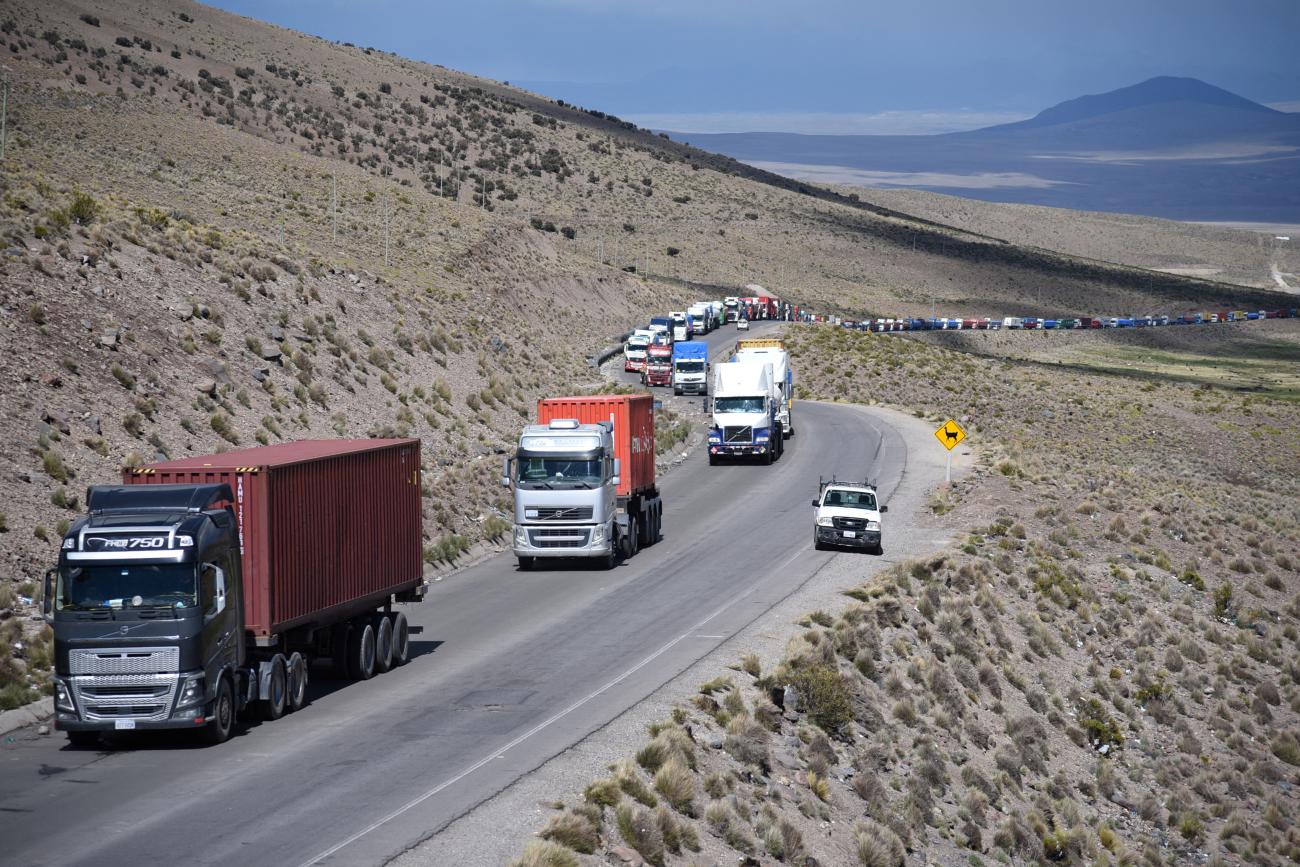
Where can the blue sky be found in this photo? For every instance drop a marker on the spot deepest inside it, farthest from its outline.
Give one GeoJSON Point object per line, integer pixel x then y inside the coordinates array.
{"type": "Point", "coordinates": [824, 65]}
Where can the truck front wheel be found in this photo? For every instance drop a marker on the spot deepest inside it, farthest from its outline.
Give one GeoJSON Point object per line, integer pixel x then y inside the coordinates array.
{"type": "Point", "coordinates": [525, 564]}
{"type": "Point", "coordinates": [222, 721]}
{"type": "Point", "coordinates": [361, 651]}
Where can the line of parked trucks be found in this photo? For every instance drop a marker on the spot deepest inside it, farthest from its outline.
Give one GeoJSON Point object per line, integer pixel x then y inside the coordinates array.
{"type": "Point", "coordinates": [203, 589]}
{"type": "Point", "coordinates": [1030, 323]}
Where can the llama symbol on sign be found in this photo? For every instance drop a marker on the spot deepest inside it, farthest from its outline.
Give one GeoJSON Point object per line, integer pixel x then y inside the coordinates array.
{"type": "Point", "coordinates": [950, 434]}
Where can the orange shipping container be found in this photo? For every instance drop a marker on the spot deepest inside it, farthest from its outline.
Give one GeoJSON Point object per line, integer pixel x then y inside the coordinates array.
{"type": "Point", "coordinates": [633, 416]}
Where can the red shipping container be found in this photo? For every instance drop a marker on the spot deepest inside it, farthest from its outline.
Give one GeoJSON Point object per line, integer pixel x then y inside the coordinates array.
{"type": "Point", "coordinates": [327, 528]}
{"type": "Point", "coordinates": [633, 416]}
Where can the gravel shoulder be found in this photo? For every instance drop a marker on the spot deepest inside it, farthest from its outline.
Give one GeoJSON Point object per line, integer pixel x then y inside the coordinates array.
{"type": "Point", "coordinates": [495, 831]}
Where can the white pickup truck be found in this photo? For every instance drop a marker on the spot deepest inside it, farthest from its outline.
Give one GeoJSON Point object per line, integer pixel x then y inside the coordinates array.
{"type": "Point", "coordinates": [847, 514]}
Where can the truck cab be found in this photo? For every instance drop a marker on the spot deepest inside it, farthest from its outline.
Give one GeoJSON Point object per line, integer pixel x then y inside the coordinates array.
{"type": "Point", "coordinates": [847, 514]}
{"type": "Point", "coordinates": [634, 352]}
{"type": "Point", "coordinates": [690, 368]}
{"type": "Point", "coordinates": [745, 406]}
{"type": "Point", "coordinates": [564, 476]}
{"type": "Point", "coordinates": [146, 606]}
{"type": "Point", "coordinates": [658, 368]}
{"type": "Point", "coordinates": [681, 326]}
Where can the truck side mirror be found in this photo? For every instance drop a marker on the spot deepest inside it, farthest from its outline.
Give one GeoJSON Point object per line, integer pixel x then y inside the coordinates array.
{"type": "Point", "coordinates": [618, 465]}
{"type": "Point", "coordinates": [505, 473]}
{"type": "Point", "coordinates": [814, 504]}
{"type": "Point", "coordinates": [47, 598]}
{"type": "Point", "coordinates": [884, 509]}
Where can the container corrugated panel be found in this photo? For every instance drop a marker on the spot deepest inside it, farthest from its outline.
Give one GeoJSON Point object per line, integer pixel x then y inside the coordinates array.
{"type": "Point", "coordinates": [634, 431]}
{"type": "Point", "coordinates": [325, 525]}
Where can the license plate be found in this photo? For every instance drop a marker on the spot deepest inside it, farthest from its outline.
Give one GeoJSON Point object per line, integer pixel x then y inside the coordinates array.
{"type": "Point", "coordinates": [848, 534]}
{"type": "Point", "coordinates": [124, 724]}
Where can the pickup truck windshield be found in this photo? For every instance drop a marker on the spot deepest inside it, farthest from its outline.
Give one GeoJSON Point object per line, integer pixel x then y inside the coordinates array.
{"type": "Point", "coordinates": [553, 472]}
{"type": "Point", "coordinates": [850, 500]}
{"type": "Point", "coordinates": [690, 366]}
{"type": "Point", "coordinates": [84, 588]}
{"type": "Point", "coordinates": [738, 404]}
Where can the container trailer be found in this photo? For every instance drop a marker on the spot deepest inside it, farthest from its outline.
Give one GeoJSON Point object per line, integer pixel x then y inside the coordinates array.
{"type": "Point", "coordinates": [202, 588]}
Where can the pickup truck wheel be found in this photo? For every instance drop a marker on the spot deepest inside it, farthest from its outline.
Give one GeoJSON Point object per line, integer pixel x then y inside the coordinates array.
{"type": "Point", "coordinates": [383, 643]}
{"type": "Point", "coordinates": [878, 549]}
{"type": "Point", "coordinates": [401, 639]}
{"type": "Point", "coordinates": [526, 564]}
{"type": "Point", "coordinates": [84, 740]}
{"type": "Point", "coordinates": [222, 721]}
{"type": "Point", "coordinates": [297, 668]}
{"type": "Point", "coordinates": [361, 651]}
{"type": "Point", "coordinates": [272, 707]}
{"type": "Point", "coordinates": [818, 544]}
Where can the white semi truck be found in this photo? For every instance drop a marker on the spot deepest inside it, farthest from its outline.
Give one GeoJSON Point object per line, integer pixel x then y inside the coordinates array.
{"type": "Point", "coordinates": [745, 406]}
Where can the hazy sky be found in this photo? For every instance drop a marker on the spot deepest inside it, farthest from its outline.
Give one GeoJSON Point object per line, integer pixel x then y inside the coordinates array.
{"type": "Point", "coordinates": [823, 65]}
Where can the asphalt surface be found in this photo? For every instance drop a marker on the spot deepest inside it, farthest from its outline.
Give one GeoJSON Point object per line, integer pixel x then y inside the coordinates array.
{"type": "Point", "coordinates": [511, 669]}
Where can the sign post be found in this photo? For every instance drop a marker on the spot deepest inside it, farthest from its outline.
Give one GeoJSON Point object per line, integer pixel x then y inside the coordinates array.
{"type": "Point", "coordinates": [949, 435]}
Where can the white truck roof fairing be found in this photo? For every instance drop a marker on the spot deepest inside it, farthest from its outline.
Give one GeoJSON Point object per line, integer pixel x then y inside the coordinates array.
{"type": "Point", "coordinates": [742, 379]}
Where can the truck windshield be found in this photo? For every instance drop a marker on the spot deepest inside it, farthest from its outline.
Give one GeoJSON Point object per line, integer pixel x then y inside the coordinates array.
{"type": "Point", "coordinates": [690, 366]}
{"type": "Point", "coordinates": [738, 404]}
{"type": "Point", "coordinates": [550, 472]}
{"type": "Point", "coordinates": [850, 500]}
{"type": "Point", "coordinates": [149, 585]}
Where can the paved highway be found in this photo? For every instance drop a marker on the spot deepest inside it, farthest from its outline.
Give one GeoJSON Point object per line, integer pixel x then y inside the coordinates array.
{"type": "Point", "coordinates": [511, 669]}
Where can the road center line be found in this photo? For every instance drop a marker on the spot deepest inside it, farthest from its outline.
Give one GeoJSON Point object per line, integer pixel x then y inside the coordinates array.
{"type": "Point", "coordinates": [498, 753]}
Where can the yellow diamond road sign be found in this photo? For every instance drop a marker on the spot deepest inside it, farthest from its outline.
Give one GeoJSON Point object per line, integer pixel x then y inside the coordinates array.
{"type": "Point", "coordinates": [950, 434]}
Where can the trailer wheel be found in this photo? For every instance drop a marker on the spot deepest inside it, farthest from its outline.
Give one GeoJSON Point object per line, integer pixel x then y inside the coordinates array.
{"type": "Point", "coordinates": [272, 707]}
{"type": "Point", "coordinates": [83, 740]}
{"type": "Point", "coordinates": [222, 722]}
{"type": "Point", "coordinates": [297, 668]}
{"type": "Point", "coordinates": [383, 643]}
{"type": "Point", "coordinates": [361, 651]}
{"type": "Point", "coordinates": [341, 635]}
{"type": "Point", "coordinates": [401, 639]}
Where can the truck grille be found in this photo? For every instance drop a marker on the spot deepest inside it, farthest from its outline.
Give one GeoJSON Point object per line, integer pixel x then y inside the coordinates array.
{"type": "Point", "coordinates": [128, 660]}
{"type": "Point", "coordinates": [570, 513]}
{"type": "Point", "coordinates": [124, 696]}
{"type": "Point", "coordinates": [559, 538]}
{"type": "Point", "coordinates": [849, 523]}
{"type": "Point", "coordinates": [741, 434]}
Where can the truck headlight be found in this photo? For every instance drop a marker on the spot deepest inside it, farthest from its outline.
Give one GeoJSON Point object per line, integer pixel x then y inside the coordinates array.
{"type": "Point", "coordinates": [184, 541]}
{"type": "Point", "coordinates": [192, 691]}
{"type": "Point", "coordinates": [762, 435]}
{"type": "Point", "coordinates": [63, 697]}
{"type": "Point", "coordinates": [521, 537]}
{"type": "Point", "coordinates": [825, 522]}
{"type": "Point", "coordinates": [598, 535]}
{"type": "Point", "coordinates": [873, 525]}
{"type": "Point", "coordinates": [715, 437]}
{"type": "Point", "coordinates": [70, 544]}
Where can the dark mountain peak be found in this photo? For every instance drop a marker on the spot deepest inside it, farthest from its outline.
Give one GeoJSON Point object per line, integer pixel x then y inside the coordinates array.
{"type": "Point", "coordinates": [1161, 90]}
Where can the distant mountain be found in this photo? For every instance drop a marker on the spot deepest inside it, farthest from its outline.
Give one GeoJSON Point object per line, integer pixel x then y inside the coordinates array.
{"type": "Point", "coordinates": [1163, 90]}
{"type": "Point", "coordinates": [1167, 147]}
